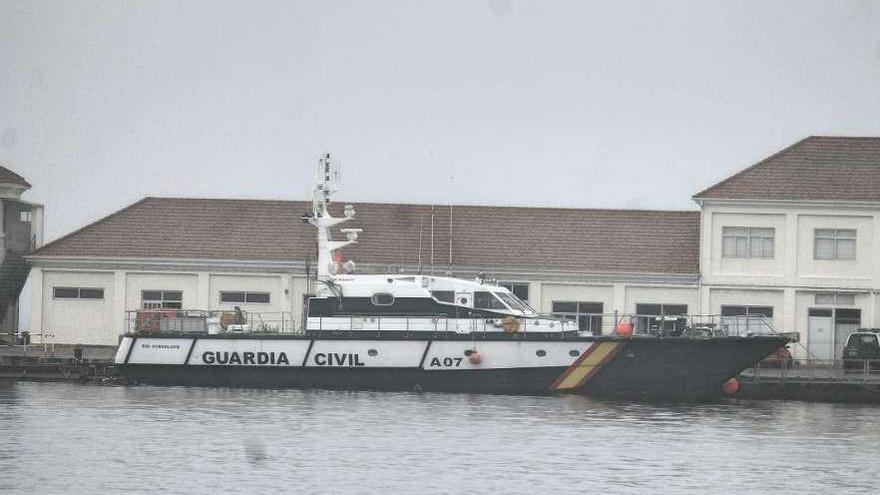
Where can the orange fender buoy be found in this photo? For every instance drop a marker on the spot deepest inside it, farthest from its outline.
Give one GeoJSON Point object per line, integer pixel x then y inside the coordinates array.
{"type": "Point", "coordinates": [731, 386]}
{"type": "Point", "coordinates": [475, 358]}
{"type": "Point", "coordinates": [625, 329]}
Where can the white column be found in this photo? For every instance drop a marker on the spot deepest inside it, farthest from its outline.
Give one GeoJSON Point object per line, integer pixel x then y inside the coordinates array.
{"type": "Point", "coordinates": [535, 289]}
{"type": "Point", "coordinates": [871, 320]}
{"type": "Point", "coordinates": [618, 298]}
{"type": "Point", "coordinates": [203, 294]}
{"type": "Point", "coordinates": [790, 250]}
{"type": "Point", "coordinates": [297, 290]}
{"type": "Point", "coordinates": [119, 308]}
{"type": "Point", "coordinates": [36, 283]}
{"type": "Point", "coordinates": [788, 322]}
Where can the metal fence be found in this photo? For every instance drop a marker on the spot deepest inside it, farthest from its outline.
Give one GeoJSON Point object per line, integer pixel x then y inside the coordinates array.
{"type": "Point", "coordinates": [815, 370]}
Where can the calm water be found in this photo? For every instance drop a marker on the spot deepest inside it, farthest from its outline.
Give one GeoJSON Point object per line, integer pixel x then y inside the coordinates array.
{"type": "Point", "coordinates": [59, 438]}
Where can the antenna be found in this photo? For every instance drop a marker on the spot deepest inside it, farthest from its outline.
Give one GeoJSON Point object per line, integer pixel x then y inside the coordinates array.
{"type": "Point", "coordinates": [421, 221]}
{"type": "Point", "coordinates": [450, 238]}
{"type": "Point", "coordinates": [432, 239]}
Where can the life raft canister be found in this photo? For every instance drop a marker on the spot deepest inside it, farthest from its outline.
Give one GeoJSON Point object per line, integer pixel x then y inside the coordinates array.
{"type": "Point", "coordinates": [510, 324]}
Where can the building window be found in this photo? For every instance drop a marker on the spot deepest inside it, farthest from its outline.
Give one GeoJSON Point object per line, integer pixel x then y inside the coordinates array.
{"type": "Point", "coordinates": [519, 289]}
{"type": "Point", "coordinates": [77, 293]}
{"type": "Point", "coordinates": [748, 242]}
{"type": "Point", "coordinates": [244, 297]}
{"type": "Point", "coordinates": [588, 315]}
{"type": "Point", "coordinates": [739, 320]}
{"type": "Point", "coordinates": [835, 299]}
{"type": "Point", "coordinates": [661, 318]}
{"type": "Point", "coordinates": [162, 299]}
{"type": "Point", "coordinates": [834, 244]}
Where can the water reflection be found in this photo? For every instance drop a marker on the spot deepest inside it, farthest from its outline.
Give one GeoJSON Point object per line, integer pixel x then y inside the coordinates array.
{"type": "Point", "coordinates": [194, 440]}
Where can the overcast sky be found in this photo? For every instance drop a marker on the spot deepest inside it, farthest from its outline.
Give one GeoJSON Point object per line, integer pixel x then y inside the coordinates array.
{"type": "Point", "coordinates": [586, 104]}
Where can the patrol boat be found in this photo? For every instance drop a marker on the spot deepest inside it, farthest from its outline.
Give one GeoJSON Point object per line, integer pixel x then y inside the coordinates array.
{"type": "Point", "coordinates": [431, 333]}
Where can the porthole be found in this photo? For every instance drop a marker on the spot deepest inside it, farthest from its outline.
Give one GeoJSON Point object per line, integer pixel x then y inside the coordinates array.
{"type": "Point", "coordinates": [462, 300]}
{"type": "Point", "coordinates": [540, 353]}
{"type": "Point", "coordinates": [574, 353]}
{"type": "Point", "coordinates": [372, 353]}
{"type": "Point", "coordinates": [382, 299]}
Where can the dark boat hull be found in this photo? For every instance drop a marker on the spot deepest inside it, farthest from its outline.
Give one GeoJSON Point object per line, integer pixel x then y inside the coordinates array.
{"type": "Point", "coordinates": [637, 368]}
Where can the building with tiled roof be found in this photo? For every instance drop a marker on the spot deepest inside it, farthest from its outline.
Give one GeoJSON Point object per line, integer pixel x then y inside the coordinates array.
{"type": "Point", "coordinates": [818, 168]}
{"type": "Point", "coordinates": [499, 239]}
{"type": "Point", "coordinates": [791, 239]}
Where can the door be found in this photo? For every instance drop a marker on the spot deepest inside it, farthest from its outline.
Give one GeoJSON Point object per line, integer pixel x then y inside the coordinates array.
{"type": "Point", "coordinates": [846, 321]}
{"type": "Point", "coordinates": [820, 334]}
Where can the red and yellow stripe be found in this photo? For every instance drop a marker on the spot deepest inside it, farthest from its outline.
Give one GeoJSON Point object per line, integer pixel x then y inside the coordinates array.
{"type": "Point", "coordinates": [586, 366]}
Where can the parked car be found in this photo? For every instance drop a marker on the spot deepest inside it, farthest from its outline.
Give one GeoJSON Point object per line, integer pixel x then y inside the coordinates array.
{"type": "Point", "coordinates": [862, 350]}
{"type": "Point", "coordinates": [780, 358]}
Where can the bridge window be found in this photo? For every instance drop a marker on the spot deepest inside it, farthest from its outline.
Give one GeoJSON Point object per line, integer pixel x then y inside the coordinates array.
{"type": "Point", "coordinates": [77, 293]}
{"type": "Point", "coordinates": [486, 300]}
{"type": "Point", "coordinates": [446, 296]}
{"type": "Point", "coordinates": [383, 299]}
{"type": "Point", "coordinates": [162, 299]}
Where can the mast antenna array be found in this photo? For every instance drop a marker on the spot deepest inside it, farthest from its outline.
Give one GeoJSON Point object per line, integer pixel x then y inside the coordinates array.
{"type": "Point", "coordinates": [326, 184]}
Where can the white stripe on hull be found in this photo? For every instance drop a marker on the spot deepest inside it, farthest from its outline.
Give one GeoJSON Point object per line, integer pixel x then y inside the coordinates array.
{"type": "Point", "coordinates": [442, 355]}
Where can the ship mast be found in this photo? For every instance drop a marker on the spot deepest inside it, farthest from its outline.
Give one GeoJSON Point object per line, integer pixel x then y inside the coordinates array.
{"type": "Point", "coordinates": [326, 184]}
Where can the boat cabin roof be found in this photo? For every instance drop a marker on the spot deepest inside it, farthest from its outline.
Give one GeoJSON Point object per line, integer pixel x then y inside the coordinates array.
{"type": "Point", "coordinates": [445, 290]}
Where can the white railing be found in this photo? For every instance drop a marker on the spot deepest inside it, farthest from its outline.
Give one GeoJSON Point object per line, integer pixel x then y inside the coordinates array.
{"type": "Point", "coordinates": [436, 323]}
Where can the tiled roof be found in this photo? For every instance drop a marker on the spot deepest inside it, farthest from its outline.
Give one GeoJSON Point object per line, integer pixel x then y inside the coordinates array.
{"type": "Point", "coordinates": [817, 168]}
{"type": "Point", "coordinates": [9, 177]}
{"type": "Point", "coordinates": [533, 239]}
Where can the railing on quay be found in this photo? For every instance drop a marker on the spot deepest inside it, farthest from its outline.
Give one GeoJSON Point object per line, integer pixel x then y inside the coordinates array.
{"type": "Point", "coordinates": [815, 370]}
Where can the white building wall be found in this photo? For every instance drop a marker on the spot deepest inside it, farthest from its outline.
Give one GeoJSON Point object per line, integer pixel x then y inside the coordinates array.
{"type": "Point", "coordinates": [78, 320]}
{"type": "Point", "coordinates": [789, 282]}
